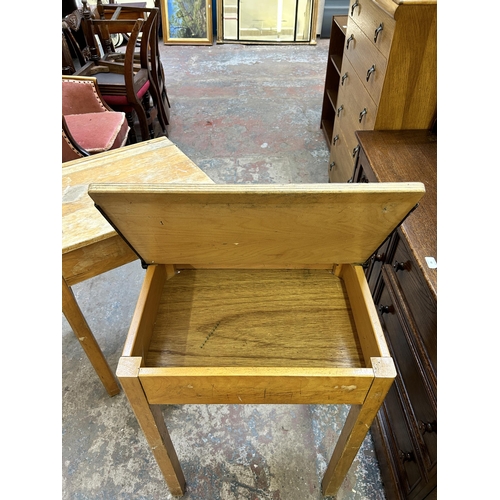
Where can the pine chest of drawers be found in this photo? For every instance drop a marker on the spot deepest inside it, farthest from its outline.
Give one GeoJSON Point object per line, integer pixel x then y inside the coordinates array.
{"type": "Point", "coordinates": [387, 75]}
{"type": "Point", "coordinates": [402, 277]}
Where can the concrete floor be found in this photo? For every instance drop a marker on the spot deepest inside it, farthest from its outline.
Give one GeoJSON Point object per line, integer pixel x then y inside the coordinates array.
{"type": "Point", "coordinates": [242, 114]}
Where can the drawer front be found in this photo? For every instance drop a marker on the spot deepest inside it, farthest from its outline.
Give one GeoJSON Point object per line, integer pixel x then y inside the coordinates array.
{"type": "Point", "coordinates": [400, 442]}
{"type": "Point", "coordinates": [422, 409]}
{"type": "Point", "coordinates": [378, 26]}
{"type": "Point", "coordinates": [368, 62]}
{"type": "Point", "coordinates": [420, 302]}
{"type": "Point", "coordinates": [356, 106]}
{"type": "Point", "coordinates": [341, 157]}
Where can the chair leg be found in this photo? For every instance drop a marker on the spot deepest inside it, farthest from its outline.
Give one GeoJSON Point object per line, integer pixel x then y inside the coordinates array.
{"type": "Point", "coordinates": [147, 108]}
{"type": "Point", "coordinates": [143, 121]}
{"type": "Point", "coordinates": [130, 120]}
{"type": "Point", "coordinates": [162, 118]}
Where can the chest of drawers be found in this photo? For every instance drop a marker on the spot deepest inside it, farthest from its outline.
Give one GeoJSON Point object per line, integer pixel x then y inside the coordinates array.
{"type": "Point", "coordinates": [387, 75]}
{"type": "Point", "coordinates": [402, 278]}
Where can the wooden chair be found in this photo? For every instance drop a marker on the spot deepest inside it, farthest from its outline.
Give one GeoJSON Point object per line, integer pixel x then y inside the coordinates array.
{"type": "Point", "coordinates": [255, 294]}
{"type": "Point", "coordinates": [78, 52]}
{"type": "Point", "coordinates": [123, 86]}
{"type": "Point", "coordinates": [150, 52]}
{"type": "Point", "coordinates": [89, 125]}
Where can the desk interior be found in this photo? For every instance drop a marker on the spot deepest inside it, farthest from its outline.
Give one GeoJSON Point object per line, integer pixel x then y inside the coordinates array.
{"type": "Point", "coordinates": [254, 318]}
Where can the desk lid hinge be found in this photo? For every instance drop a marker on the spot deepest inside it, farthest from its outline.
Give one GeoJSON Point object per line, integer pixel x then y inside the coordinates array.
{"type": "Point", "coordinates": [144, 264]}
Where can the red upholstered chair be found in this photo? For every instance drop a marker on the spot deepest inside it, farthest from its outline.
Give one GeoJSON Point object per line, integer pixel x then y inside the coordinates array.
{"type": "Point", "coordinates": [89, 125]}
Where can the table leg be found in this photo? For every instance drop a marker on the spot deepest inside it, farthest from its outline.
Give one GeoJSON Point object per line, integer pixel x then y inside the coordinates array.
{"type": "Point", "coordinates": [357, 424]}
{"type": "Point", "coordinates": [82, 331]}
{"type": "Point", "coordinates": [152, 424]}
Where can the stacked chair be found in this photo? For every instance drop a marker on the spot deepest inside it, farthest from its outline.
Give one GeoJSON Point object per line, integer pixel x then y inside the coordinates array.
{"type": "Point", "coordinates": [117, 12]}
{"type": "Point", "coordinates": [126, 83]}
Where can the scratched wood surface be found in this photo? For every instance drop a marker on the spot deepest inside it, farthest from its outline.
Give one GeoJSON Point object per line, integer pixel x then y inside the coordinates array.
{"type": "Point", "coordinates": [258, 318]}
{"type": "Point", "coordinates": [158, 160]}
{"type": "Point", "coordinates": [256, 225]}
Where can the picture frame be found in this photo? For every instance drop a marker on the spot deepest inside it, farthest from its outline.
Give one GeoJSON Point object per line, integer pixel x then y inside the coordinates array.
{"type": "Point", "coordinates": [185, 23]}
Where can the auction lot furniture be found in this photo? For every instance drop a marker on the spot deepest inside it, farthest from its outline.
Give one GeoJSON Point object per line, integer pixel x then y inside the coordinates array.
{"type": "Point", "coordinates": [90, 246]}
{"type": "Point", "coordinates": [254, 294]}
{"type": "Point", "coordinates": [402, 276]}
{"type": "Point", "coordinates": [381, 75]}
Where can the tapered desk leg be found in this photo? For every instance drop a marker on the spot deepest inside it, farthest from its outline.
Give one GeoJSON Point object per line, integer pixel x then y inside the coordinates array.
{"type": "Point", "coordinates": [83, 333]}
{"type": "Point", "coordinates": [152, 424]}
{"type": "Point", "coordinates": [357, 424]}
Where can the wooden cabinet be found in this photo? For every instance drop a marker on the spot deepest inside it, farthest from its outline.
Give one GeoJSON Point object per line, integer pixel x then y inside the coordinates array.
{"type": "Point", "coordinates": [388, 76]}
{"type": "Point", "coordinates": [402, 276]}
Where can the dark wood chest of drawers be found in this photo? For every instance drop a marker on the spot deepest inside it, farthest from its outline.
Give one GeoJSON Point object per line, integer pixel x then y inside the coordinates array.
{"type": "Point", "coordinates": [402, 276]}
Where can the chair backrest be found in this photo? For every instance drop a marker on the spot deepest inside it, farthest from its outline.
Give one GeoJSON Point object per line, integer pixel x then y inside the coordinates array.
{"type": "Point", "coordinates": [149, 32]}
{"type": "Point", "coordinates": [75, 38]}
{"type": "Point", "coordinates": [80, 94]}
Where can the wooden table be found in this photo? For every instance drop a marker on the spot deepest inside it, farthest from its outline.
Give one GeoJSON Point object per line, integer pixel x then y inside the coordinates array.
{"type": "Point", "coordinates": [90, 246]}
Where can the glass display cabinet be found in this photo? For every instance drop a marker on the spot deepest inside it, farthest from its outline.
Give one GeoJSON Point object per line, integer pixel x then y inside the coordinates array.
{"type": "Point", "coordinates": [267, 21]}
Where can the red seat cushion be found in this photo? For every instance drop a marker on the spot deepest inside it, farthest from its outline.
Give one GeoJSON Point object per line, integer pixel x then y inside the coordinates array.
{"type": "Point", "coordinates": [98, 132]}
{"type": "Point", "coordinates": [121, 100]}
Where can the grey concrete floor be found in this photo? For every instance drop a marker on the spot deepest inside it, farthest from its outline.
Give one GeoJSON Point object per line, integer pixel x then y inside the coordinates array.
{"type": "Point", "coordinates": [242, 114]}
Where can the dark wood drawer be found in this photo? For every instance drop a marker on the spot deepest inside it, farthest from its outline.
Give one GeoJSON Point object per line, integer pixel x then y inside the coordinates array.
{"type": "Point", "coordinates": [421, 303]}
{"type": "Point", "coordinates": [400, 442]}
{"type": "Point", "coordinates": [418, 393]}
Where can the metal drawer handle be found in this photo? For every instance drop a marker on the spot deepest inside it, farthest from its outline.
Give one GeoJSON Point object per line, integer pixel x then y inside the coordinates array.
{"type": "Point", "coordinates": [349, 40]}
{"type": "Point", "coordinates": [335, 139]}
{"type": "Point", "coordinates": [369, 72]}
{"type": "Point", "coordinates": [344, 76]}
{"type": "Point", "coordinates": [399, 266]}
{"type": "Point", "coordinates": [355, 151]}
{"type": "Point", "coordinates": [427, 427]}
{"type": "Point", "coordinates": [377, 31]}
{"type": "Point", "coordinates": [363, 113]}
{"type": "Point", "coordinates": [354, 5]}
{"type": "Point", "coordinates": [340, 109]}
{"type": "Point", "coordinates": [406, 456]}
{"type": "Point", "coordinates": [332, 165]}
{"type": "Point", "coordinates": [378, 257]}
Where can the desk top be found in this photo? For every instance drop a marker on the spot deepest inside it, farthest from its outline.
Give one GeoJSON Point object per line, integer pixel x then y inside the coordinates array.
{"type": "Point", "coordinates": [154, 161]}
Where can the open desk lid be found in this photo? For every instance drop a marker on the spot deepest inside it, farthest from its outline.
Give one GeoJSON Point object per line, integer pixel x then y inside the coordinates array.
{"type": "Point", "coordinates": [255, 225]}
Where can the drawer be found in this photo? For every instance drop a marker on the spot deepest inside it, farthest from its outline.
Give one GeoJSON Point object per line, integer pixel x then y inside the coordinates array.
{"type": "Point", "coordinates": [368, 62]}
{"type": "Point", "coordinates": [403, 449]}
{"type": "Point", "coordinates": [421, 401]}
{"type": "Point", "coordinates": [377, 260]}
{"type": "Point", "coordinates": [342, 158]}
{"type": "Point", "coordinates": [420, 302]}
{"type": "Point", "coordinates": [378, 26]}
{"type": "Point", "coordinates": [356, 110]}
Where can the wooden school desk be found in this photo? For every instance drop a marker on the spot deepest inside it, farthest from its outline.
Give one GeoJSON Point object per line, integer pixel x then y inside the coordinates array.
{"type": "Point", "coordinates": [90, 246]}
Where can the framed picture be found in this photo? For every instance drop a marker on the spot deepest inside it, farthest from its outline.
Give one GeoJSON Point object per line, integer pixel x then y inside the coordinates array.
{"type": "Point", "coordinates": [187, 22]}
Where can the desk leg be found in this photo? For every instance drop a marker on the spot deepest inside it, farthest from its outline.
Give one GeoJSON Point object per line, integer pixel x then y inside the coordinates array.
{"type": "Point", "coordinates": [357, 424]}
{"type": "Point", "coordinates": [82, 331]}
{"type": "Point", "coordinates": [152, 424]}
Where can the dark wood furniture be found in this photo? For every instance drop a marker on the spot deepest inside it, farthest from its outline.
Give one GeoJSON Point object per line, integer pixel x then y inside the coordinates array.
{"type": "Point", "coordinates": [402, 277]}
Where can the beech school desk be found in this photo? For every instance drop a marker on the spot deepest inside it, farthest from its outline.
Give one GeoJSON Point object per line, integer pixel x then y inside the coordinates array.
{"type": "Point", "coordinates": [90, 246]}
